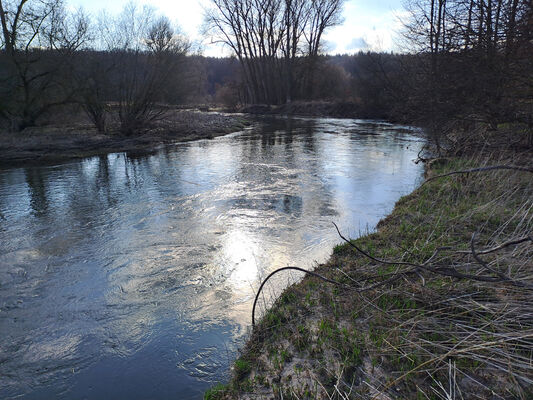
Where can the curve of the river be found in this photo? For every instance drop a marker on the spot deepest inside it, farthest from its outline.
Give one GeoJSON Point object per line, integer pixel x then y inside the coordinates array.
{"type": "Point", "coordinates": [132, 276]}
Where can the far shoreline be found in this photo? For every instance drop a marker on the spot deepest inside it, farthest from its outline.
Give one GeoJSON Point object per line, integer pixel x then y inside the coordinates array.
{"type": "Point", "coordinates": [58, 142]}
{"type": "Point", "coordinates": [65, 141]}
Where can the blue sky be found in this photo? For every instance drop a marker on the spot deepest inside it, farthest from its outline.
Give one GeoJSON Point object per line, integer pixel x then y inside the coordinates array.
{"type": "Point", "coordinates": [367, 24]}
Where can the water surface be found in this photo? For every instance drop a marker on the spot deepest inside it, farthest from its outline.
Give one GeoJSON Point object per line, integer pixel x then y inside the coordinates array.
{"type": "Point", "coordinates": [132, 276]}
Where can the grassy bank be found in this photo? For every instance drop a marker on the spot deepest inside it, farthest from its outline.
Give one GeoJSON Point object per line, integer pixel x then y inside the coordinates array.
{"type": "Point", "coordinates": [440, 309]}
{"type": "Point", "coordinates": [73, 136]}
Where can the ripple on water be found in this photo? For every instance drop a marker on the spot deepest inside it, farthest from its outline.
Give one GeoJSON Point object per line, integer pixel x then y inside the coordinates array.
{"type": "Point", "coordinates": [131, 276]}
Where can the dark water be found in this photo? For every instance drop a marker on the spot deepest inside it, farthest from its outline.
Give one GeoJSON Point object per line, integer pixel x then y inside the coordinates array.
{"type": "Point", "coordinates": [132, 276]}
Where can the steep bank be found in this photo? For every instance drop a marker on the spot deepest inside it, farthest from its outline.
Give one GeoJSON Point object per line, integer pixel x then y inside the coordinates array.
{"type": "Point", "coordinates": [74, 137]}
{"type": "Point", "coordinates": [440, 309]}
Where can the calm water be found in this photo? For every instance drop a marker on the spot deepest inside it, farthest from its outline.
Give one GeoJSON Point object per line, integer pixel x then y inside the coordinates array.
{"type": "Point", "coordinates": [132, 276]}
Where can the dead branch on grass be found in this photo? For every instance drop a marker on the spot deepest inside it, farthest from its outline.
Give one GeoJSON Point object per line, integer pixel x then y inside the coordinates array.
{"type": "Point", "coordinates": [415, 269]}
{"type": "Point", "coordinates": [480, 321]}
{"type": "Point", "coordinates": [442, 270]}
{"type": "Point", "coordinates": [285, 269]}
{"type": "Point", "coordinates": [480, 169]}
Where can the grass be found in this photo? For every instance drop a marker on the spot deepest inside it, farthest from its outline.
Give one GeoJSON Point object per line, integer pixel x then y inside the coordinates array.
{"type": "Point", "coordinates": [424, 335]}
{"type": "Point", "coordinates": [216, 392]}
{"type": "Point", "coordinates": [242, 368]}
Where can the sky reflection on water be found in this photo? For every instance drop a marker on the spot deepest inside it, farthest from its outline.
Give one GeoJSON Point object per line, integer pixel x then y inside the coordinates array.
{"type": "Point", "coordinates": [133, 275]}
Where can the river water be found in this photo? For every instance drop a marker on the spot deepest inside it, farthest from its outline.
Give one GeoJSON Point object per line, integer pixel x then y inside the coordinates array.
{"type": "Point", "coordinates": [133, 275]}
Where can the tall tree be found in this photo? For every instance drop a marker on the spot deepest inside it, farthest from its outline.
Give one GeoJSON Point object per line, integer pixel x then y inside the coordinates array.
{"type": "Point", "coordinates": [39, 39]}
{"type": "Point", "coordinates": [473, 57]}
{"type": "Point", "coordinates": [268, 37]}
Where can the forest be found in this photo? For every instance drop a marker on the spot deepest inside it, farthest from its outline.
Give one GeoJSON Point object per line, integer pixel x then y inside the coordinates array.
{"type": "Point", "coordinates": [464, 63]}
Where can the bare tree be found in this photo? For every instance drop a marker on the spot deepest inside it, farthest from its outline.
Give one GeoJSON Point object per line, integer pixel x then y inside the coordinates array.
{"type": "Point", "coordinates": [473, 59]}
{"type": "Point", "coordinates": [323, 14]}
{"type": "Point", "coordinates": [142, 52]}
{"type": "Point", "coordinates": [94, 81]}
{"type": "Point", "coordinates": [39, 39]}
{"type": "Point", "coordinates": [267, 36]}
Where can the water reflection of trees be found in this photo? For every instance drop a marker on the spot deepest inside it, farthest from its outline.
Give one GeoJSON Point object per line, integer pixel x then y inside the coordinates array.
{"type": "Point", "coordinates": [188, 232]}
{"type": "Point", "coordinates": [36, 181]}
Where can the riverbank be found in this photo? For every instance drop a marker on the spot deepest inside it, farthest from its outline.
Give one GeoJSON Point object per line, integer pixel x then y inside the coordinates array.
{"type": "Point", "coordinates": [324, 109]}
{"type": "Point", "coordinates": [77, 138]}
{"type": "Point", "coordinates": [438, 307]}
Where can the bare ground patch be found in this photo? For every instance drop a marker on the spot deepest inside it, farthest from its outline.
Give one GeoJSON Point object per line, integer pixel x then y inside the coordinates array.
{"type": "Point", "coordinates": [74, 137]}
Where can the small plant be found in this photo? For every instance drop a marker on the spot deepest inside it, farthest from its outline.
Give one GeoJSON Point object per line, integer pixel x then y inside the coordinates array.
{"type": "Point", "coordinates": [285, 356]}
{"type": "Point", "coordinates": [242, 368]}
{"type": "Point", "coordinates": [325, 329]}
{"type": "Point", "coordinates": [216, 392]}
{"type": "Point", "coordinates": [261, 380]}
{"type": "Point", "coordinates": [301, 338]}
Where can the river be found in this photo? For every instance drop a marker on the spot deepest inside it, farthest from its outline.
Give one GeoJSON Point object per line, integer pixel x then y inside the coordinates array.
{"type": "Point", "coordinates": [133, 275]}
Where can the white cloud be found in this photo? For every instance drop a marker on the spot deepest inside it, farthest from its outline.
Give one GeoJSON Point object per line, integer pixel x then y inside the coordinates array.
{"type": "Point", "coordinates": [373, 22]}
{"type": "Point", "coordinates": [358, 43]}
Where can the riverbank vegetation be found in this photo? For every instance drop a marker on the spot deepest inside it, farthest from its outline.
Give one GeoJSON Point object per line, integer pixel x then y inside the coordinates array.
{"type": "Point", "coordinates": [435, 304]}
{"type": "Point", "coordinates": [438, 308]}
{"type": "Point", "coordinates": [77, 138]}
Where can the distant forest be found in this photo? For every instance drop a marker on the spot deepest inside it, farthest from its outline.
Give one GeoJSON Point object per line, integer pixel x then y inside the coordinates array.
{"type": "Point", "coordinates": [465, 62]}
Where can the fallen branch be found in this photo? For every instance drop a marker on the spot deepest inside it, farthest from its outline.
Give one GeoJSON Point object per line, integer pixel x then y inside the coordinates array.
{"type": "Point", "coordinates": [482, 262]}
{"type": "Point", "coordinates": [372, 257]}
{"type": "Point", "coordinates": [284, 269]}
{"type": "Point", "coordinates": [501, 246]}
{"type": "Point", "coordinates": [480, 169]}
{"type": "Point", "coordinates": [415, 269]}
{"type": "Point", "coordinates": [442, 270]}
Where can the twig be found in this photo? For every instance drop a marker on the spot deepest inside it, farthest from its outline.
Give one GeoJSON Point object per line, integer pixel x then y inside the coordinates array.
{"type": "Point", "coordinates": [372, 257]}
{"type": "Point", "coordinates": [446, 271]}
{"type": "Point", "coordinates": [485, 265]}
{"type": "Point", "coordinates": [480, 169]}
{"type": "Point", "coordinates": [482, 262]}
{"type": "Point", "coordinates": [501, 246]}
{"type": "Point", "coordinates": [284, 269]}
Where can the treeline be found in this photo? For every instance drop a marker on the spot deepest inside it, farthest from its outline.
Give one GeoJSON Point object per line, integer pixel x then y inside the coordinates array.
{"type": "Point", "coordinates": [277, 43]}
{"type": "Point", "coordinates": [121, 68]}
{"type": "Point", "coordinates": [113, 67]}
{"type": "Point", "coordinates": [474, 63]}
{"type": "Point", "coordinates": [465, 63]}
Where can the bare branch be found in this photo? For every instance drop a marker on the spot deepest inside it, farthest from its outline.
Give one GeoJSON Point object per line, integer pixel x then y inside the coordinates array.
{"type": "Point", "coordinates": [481, 169]}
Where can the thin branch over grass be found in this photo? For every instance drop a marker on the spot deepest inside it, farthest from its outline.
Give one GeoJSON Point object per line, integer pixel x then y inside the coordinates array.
{"type": "Point", "coordinates": [480, 169]}
{"type": "Point", "coordinates": [420, 312]}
